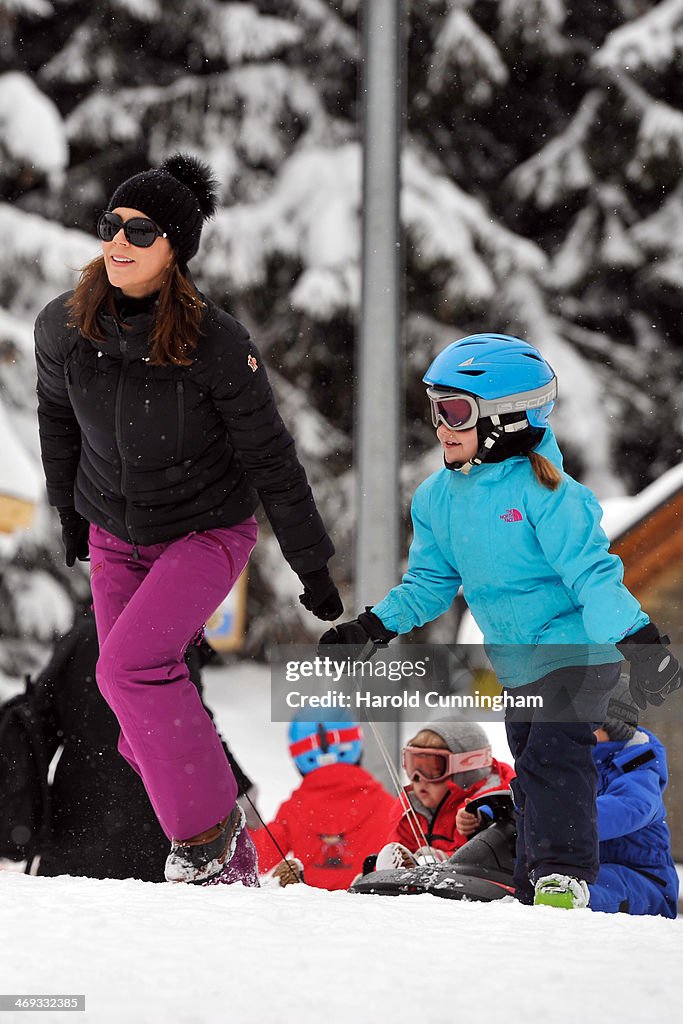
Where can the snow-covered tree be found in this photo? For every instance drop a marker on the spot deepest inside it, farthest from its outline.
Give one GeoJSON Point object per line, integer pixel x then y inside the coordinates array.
{"type": "Point", "coordinates": [541, 166]}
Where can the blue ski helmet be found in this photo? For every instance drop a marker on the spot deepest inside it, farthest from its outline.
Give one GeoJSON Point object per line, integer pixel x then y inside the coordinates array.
{"type": "Point", "coordinates": [317, 744]}
{"type": "Point", "coordinates": [505, 375]}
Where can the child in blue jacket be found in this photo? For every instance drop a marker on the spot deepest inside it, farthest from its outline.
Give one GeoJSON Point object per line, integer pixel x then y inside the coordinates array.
{"type": "Point", "coordinates": [523, 539]}
{"type": "Point", "coordinates": [637, 874]}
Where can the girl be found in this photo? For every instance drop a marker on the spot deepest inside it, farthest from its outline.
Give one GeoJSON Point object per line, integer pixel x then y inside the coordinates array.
{"type": "Point", "coordinates": [159, 435]}
{"type": "Point", "coordinates": [523, 539]}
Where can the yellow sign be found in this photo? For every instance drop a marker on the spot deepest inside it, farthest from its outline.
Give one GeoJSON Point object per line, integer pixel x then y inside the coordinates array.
{"type": "Point", "coordinates": [15, 513]}
{"type": "Point", "coordinates": [225, 628]}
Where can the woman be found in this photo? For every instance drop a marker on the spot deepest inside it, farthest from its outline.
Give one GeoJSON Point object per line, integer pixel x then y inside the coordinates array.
{"type": "Point", "coordinates": [524, 541]}
{"type": "Point", "coordinates": [159, 435]}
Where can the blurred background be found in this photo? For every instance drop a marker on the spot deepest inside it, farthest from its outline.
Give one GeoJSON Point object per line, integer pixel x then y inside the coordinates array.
{"type": "Point", "coordinates": [542, 148]}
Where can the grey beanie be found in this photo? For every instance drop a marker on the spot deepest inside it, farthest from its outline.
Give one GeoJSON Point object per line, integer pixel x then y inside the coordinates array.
{"type": "Point", "coordinates": [178, 196]}
{"type": "Point", "coordinates": [621, 719]}
{"type": "Point", "coordinates": [460, 737]}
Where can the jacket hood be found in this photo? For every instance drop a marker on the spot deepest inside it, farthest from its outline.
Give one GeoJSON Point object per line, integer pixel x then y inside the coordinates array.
{"type": "Point", "coordinates": [490, 472]}
{"type": "Point", "coordinates": [622, 753]}
{"type": "Point", "coordinates": [550, 448]}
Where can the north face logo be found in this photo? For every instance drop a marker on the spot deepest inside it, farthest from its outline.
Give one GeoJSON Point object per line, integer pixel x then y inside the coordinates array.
{"type": "Point", "coordinates": [513, 515]}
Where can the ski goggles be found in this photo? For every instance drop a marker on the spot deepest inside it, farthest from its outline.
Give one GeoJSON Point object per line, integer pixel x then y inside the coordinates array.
{"type": "Point", "coordinates": [456, 411]}
{"type": "Point", "coordinates": [460, 411]}
{"type": "Point", "coordinates": [342, 737]}
{"type": "Point", "coordinates": [431, 764]}
{"type": "Point", "coordinates": [139, 231]}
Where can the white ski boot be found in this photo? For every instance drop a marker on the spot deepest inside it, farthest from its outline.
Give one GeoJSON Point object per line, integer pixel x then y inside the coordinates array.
{"type": "Point", "coordinates": [393, 856]}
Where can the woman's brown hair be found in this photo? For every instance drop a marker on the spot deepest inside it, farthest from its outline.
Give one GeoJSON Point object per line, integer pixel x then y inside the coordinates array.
{"type": "Point", "coordinates": [545, 472]}
{"type": "Point", "coordinates": [177, 319]}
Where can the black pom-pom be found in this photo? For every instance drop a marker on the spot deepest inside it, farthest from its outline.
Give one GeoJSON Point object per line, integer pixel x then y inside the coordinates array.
{"type": "Point", "coordinates": [198, 177]}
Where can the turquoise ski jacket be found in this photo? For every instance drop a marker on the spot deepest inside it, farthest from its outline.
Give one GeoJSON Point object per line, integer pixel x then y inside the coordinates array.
{"type": "Point", "coordinates": [534, 566]}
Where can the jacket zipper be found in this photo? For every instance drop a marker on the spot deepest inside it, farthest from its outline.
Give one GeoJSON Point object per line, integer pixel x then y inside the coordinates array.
{"type": "Point", "coordinates": [430, 834]}
{"type": "Point", "coordinates": [119, 439]}
{"type": "Point", "coordinates": [179, 390]}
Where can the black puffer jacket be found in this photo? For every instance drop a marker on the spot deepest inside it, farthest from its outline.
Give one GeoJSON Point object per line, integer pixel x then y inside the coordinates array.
{"type": "Point", "coordinates": [151, 453]}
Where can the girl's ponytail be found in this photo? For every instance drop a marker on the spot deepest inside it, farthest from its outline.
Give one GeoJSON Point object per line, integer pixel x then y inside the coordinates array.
{"type": "Point", "coordinates": [547, 474]}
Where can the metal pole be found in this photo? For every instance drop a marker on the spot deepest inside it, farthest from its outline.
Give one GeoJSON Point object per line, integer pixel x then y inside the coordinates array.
{"type": "Point", "coordinates": [377, 429]}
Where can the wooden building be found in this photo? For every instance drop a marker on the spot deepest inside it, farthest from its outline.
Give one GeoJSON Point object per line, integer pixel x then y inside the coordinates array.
{"type": "Point", "coordinates": [647, 534]}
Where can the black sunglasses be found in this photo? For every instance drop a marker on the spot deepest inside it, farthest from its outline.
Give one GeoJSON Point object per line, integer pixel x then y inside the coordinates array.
{"type": "Point", "coordinates": [138, 230]}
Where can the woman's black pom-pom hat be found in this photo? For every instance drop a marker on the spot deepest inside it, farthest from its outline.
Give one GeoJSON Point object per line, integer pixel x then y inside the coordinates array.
{"type": "Point", "coordinates": [178, 196]}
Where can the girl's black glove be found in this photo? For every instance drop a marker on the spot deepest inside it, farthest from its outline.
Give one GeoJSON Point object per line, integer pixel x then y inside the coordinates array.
{"type": "Point", "coordinates": [74, 535]}
{"type": "Point", "coordinates": [655, 673]}
{"type": "Point", "coordinates": [320, 595]}
{"type": "Point", "coordinates": [366, 627]}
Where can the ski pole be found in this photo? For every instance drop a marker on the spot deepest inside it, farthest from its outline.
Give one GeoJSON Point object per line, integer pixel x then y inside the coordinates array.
{"type": "Point", "coordinates": [367, 652]}
{"type": "Point", "coordinates": [272, 837]}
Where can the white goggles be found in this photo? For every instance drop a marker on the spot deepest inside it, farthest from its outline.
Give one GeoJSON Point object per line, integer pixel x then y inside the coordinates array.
{"type": "Point", "coordinates": [460, 411]}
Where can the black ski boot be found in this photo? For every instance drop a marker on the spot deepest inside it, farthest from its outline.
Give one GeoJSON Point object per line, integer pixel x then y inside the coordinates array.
{"type": "Point", "coordinates": [203, 857]}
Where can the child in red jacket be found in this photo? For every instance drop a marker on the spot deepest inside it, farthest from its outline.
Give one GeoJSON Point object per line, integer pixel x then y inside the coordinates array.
{"type": "Point", "coordinates": [448, 764]}
{"type": "Point", "coordinates": [335, 818]}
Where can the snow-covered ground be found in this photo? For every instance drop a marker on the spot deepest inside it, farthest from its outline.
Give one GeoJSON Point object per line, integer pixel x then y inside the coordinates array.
{"type": "Point", "coordinates": [157, 954]}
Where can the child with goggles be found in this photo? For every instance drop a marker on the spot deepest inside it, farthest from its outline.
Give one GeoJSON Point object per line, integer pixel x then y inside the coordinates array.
{"type": "Point", "coordinates": [523, 539]}
{"type": "Point", "coordinates": [447, 765]}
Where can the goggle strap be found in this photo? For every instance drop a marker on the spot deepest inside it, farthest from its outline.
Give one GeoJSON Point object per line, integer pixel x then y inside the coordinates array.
{"type": "Point", "coordinates": [312, 742]}
{"type": "Point", "coordinates": [523, 401]}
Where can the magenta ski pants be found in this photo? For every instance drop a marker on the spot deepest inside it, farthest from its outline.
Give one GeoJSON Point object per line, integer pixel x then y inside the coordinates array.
{"type": "Point", "coordinates": [147, 611]}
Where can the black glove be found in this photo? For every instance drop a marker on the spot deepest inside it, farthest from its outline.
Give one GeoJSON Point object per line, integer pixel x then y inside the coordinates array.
{"type": "Point", "coordinates": [74, 535]}
{"type": "Point", "coordinates": [366, 627]}
{"type": "Point", "coordinates": [655, 673]}
{"type": "Point", "coordinates": [320, 595]}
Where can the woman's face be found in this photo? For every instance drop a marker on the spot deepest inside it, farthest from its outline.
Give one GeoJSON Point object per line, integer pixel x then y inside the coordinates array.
{"type": "Point", "coordinates": [136, 271]}
{"type": "Point", "coordinates": [458, 445]}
